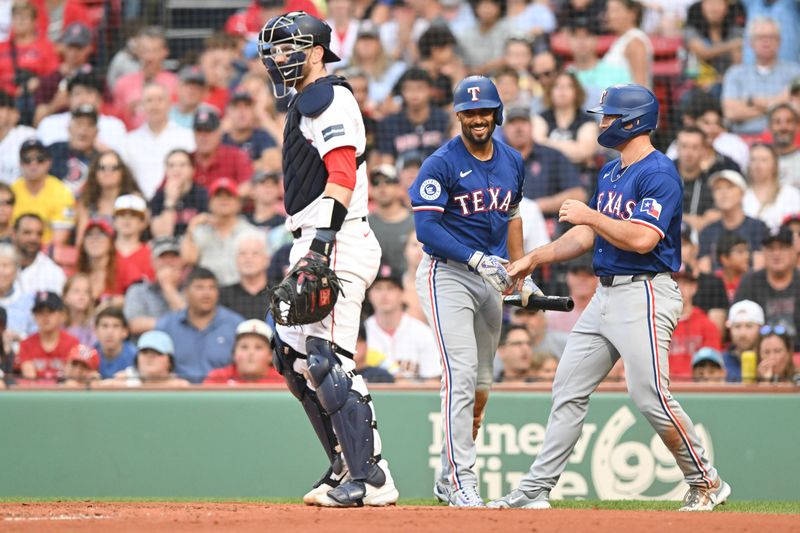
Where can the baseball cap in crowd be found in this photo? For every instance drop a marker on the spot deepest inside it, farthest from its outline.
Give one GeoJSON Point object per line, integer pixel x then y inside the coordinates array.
{"type": "Point", "coordinates": [47, 300]}
{"type": "Point", "coordinates": [707, 354]}
{"type": "Point", "coordinates": [192, 74]}
{"type": "Point", "coordinates": [685, 272]}
{"type": "Point", "coordinates": [85, 110]}
{"type": "Point", "coordinates": [729, 175]}
{"type": "Point", "coordinates": [86, 355]}
{"type": "Point", "coordinates": [130, 202]}
{"type": "Point", "coordinates": [746, 311]}
{"type": "Point", "coordinates": [31, 145]}
{"type": "Point", "coordinates": [254, 327]}
{"type": "Point", "coordinates": [387, 273]}
{"type": "Point", "coordinates": [165, 245]}
{"type": "Point", "coordinates": [262, 176]}
{"type": "Point", "coordinates": [367, 28]}
{"type": "Point", "coordinates": [206, 118]}
{"type": "Point", "coordinates": [76, 34]}
{"type": "Point", "coordinates": [793, 218]}
{"type": "Point", "coordinates": [250, 50]}
{"type": "Point", "coordinates": [385, 171]}
{"type": "Point", "coordinates": [782, 235]}
{"type": "Point", "coordinates": [518, 112]}
{"type": "Point", "coordinates": [104, 226]}
{"type": "Point", "coordinates": [241, 96]}
{"type": "Point", "coordinates": [223, 184]}
{"type": "Point", "coordinates": [156, 340]}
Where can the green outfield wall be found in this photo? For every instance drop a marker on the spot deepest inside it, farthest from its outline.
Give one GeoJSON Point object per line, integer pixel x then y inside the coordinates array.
{"type": "Point", "coordinates": [223, 444]}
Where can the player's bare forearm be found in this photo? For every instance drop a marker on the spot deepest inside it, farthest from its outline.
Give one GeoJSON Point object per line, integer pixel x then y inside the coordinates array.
{"type": "Point", "coordinates": [572, 244]}
{"type": "Point", "coordinates": [339, 192]}
{"type": "Point", "coordinates": [515, 248]}
{"type": "Point", "coordinates": [624, 234]}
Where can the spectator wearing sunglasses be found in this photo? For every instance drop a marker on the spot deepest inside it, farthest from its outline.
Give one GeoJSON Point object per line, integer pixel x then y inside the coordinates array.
{"type": "Point", "coordinates": [42, 194]}
{"type": "Point", "coordinates": [544, 68]}
{"type": "Point", "coordinates": [775, 354]}
{"type": "Point", "coordinates": [777, 287]}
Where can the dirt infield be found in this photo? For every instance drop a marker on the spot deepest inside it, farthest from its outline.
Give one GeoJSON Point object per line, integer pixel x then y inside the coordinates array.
{"type": "Point", "coordinates": [255, 517]}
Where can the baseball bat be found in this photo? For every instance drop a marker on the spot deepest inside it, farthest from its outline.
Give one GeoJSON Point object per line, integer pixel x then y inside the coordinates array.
{"type": "Point", "coordinates": [546, 303]}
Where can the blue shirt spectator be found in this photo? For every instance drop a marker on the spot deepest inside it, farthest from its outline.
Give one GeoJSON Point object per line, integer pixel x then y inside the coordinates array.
{"type": "Point", "coordinates": [204, 332]}
{"type": "Point", "coordinates": [109, 367]}
{"type": "Point", "coordinates": [787, 14]}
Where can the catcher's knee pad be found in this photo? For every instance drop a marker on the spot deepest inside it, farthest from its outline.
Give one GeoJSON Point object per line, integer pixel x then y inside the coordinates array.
{"type": "Point", "coordinates": [283, 358]}
{"type": "Point", "coordinates": [350, 411]}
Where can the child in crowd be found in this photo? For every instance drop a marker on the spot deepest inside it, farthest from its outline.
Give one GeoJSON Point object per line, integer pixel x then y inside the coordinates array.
{"type": "Point", "coordinates": [79, 307]}
{"type": "Point", "coordinates": [733, 254]}
{"type": "Point", "coordinates": [115, 352]}
{"type": "Point", "coordinates": [153, 365]}
{"type": "Point", "coordinates": [543, 366]}
{"type": "Point", "coordinates": [43, 355]}
{"type": "Point", "coordinates": [252, 357]}
{"type": "Point", "coordinates": [745, 318]}
{"type": "Point", "coordinates": [83, 364]}
{"type": "Point", "coordinates": [133, 256]}
{"type": "Point", "coordinates": [707, 366]}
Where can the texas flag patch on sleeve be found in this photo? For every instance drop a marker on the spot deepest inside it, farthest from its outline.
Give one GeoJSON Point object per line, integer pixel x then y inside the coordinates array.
{"type": "Point", "coordinates": [651, 207]}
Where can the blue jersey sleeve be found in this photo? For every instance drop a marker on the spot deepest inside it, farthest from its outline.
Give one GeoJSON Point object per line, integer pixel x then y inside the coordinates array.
{"type": "Point", "coordinates": [429, 195]}
{"type": "Point", "coordinates": [660, 198]}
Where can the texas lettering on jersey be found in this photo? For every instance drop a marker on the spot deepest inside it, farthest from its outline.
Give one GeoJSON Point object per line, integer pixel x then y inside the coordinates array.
{"type": "Point", "coordinates": [483, 200]}
{"type": "Point", "coordinates": [613, 204]}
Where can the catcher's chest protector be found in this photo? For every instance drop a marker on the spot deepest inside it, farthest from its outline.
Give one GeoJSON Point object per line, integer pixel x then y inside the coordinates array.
{"type": "Point", "coordinates": [304, 172]}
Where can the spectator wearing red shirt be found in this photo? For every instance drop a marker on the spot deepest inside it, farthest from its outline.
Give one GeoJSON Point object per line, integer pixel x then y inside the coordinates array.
{"type": "Point", "coordinates": [252, 357]}
{"type": "Point", "coordinates": [248, 22]}
{"type": "Point", "coordinates": [97, 257]}
{"type": "Point", "coordinates": [220, 52]}
{"type": "Point", "coordinates": [26, 56]}
{"type": "Point", "coordinates": [152, 50]}
{"type": "Point", "coordinates": [214, 160]}
{"type": "Point", "coordinates": [66, 11]}
{"type": "Point", "coordinates": [75, 48]}
{"type": "Point", "coordinates": [43, 355]}
{"type": "Point", "coordinates": [133, 257]}
{"type": "Point", "coordinates": [694, 330]}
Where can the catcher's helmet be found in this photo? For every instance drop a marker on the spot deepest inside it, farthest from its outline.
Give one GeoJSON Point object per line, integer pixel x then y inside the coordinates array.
{"type": "Point", "coordinates": [478, 92]}
{"type": "Point", "coordinates": [290, 35]}
{"type": "Point", "coordinates": [635, 105]}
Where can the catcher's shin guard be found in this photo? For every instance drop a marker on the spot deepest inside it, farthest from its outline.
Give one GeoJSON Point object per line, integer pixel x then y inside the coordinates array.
{"type": "Point", "coordinates": [344, 397]}
{"type": "Point", "coordinates": [283, 358]}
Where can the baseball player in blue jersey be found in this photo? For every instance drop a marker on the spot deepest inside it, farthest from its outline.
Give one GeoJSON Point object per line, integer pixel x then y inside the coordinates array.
{"type": "Point", "coordinates": [466, 211]}
{"type": "Point", "coordinates": [633, 222]}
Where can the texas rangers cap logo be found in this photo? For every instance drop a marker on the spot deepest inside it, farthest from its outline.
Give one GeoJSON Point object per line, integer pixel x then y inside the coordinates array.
{"type": "Point", "coordinates": [474, 92]}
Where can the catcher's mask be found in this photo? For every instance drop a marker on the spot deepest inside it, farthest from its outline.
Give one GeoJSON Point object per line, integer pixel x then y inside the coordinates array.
{"type": "Point", "coordinates": [283, 46]}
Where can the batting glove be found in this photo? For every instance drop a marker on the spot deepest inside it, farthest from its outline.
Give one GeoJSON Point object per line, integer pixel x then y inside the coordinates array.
{"type": "Point", "coordinates": [490, 268]}
{"type": "Point", "coordinates": [529, 288]}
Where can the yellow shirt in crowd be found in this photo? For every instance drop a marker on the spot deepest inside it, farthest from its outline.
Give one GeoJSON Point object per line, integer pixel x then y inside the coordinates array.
{"type": "Point", "coordinates": [54, 203]}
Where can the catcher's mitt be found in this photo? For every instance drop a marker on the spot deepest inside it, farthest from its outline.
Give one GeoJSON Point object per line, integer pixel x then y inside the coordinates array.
{"type": "Point", "coordinates": [307, 294]}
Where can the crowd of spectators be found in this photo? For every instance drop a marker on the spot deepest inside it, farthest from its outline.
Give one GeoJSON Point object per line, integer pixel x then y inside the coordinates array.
{"type": "Point", "coordinates": [141, 214]}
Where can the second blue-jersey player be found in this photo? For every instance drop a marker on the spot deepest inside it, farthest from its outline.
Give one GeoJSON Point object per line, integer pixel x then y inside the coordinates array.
{"type": "Point", "coordinates": [466, 211]}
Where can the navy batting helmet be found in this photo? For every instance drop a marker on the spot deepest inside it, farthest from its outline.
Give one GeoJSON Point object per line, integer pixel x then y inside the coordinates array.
{"type": "Point", "coordinates": [291, 35]}
{"type": "Point", "coordinates": [635, 105]}
{"type": "Point", "coordinates": [478, 92]}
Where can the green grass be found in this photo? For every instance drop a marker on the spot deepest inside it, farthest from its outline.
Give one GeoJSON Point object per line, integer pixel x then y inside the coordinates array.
{"type": "Point", "coordinates": [770, 507]}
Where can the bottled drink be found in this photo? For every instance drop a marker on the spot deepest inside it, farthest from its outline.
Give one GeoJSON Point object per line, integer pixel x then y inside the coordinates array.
{"type": "Point", "coordinates": [749, 361]}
